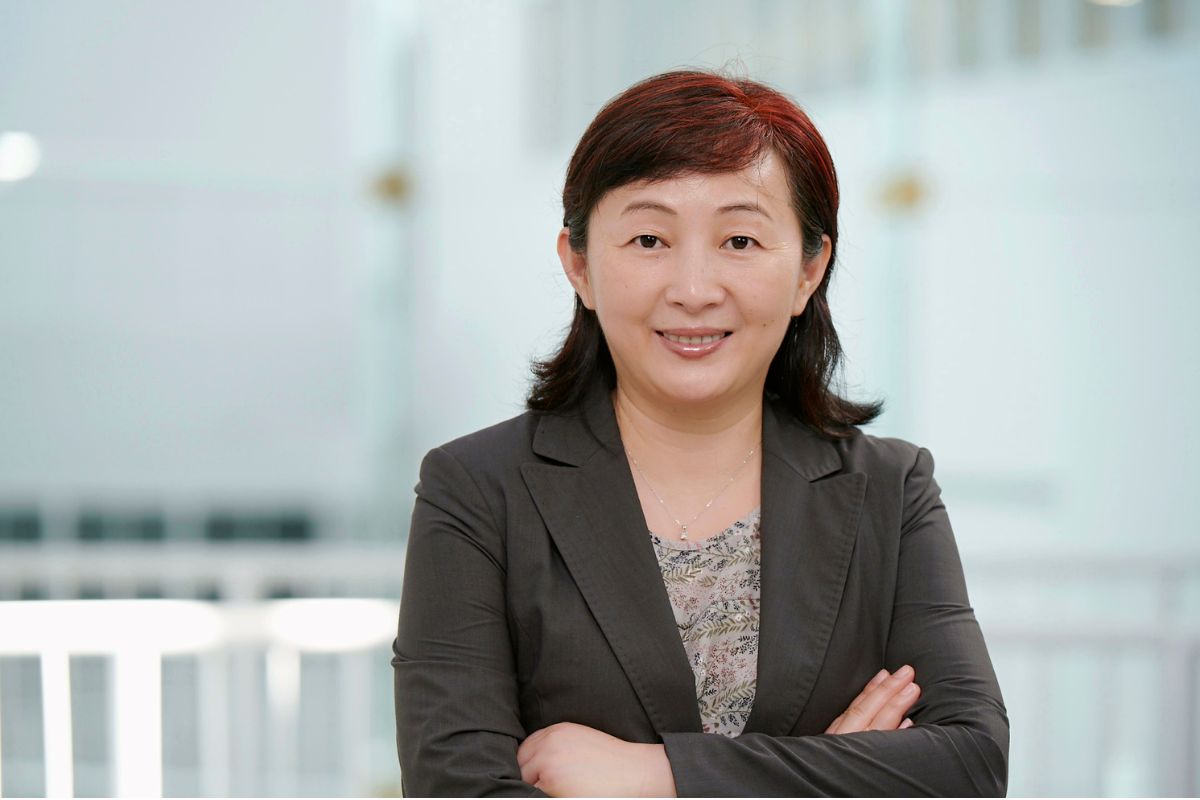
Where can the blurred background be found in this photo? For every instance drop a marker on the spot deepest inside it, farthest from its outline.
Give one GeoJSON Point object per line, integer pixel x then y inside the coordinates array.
{"type": "Point", "coordinates": [258, 256]}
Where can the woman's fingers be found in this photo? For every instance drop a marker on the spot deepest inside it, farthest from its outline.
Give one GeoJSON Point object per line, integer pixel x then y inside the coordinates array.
{"type": "Point", "coordinates": [890, 715]}
{"type": "Point", "coordinates": [908, 723]}
{"type": "Point", "coordinates": [879, 692]}
{"type": "Point", "coordinates": [871, 684]}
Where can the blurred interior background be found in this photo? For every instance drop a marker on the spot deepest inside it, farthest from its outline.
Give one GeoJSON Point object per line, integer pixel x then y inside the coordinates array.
{"type": "Point", "coordinates": [257, 257]}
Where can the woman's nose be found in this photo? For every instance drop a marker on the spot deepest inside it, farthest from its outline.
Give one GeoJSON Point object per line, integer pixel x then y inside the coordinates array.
{"type": "Point", "coordinates": [695, 282]}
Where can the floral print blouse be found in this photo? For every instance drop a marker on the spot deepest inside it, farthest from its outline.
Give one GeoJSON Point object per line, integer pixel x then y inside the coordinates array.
{"type": "Point", "coordinates": [714, 586]}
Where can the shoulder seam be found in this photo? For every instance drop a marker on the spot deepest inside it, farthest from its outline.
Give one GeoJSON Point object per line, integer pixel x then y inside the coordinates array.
{"type": "Point", "coordinates": [478, 490]}
{"type": "Point", "coordinates": [916, 460]}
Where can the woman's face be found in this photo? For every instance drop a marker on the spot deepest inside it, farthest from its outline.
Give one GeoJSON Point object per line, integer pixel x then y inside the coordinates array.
{"type": "Point", "coordinates": [716, 256]}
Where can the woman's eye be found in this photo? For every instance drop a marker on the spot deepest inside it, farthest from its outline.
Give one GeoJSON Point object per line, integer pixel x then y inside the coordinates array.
{"type": "Point", "coordinates": [741, 242]}
{"type": "Point", "coordinates": [647, 241]}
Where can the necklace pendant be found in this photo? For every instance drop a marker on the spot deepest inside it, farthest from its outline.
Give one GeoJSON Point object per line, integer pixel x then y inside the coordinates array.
{"type": "Point", "coordinates": [683, 535]}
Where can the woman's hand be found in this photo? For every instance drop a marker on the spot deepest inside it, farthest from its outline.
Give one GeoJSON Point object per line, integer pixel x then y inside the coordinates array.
{"type": "Point", "coordinates": [881, 705]}
{"type": "Point", "coordinates": [571, 760]}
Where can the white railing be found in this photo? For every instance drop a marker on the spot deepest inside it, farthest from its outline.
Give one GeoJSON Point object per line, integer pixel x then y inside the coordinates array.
{"type": "Point", "coordinates": [136, 634]}
{"type": "Point", "coordinates": [248, 653]}
{"type": "Point", "coordinates": [1037, 761]}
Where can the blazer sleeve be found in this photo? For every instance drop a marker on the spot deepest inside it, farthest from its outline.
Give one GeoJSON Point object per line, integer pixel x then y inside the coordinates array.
{"type": "Point", "coordinates": [457, 715]}
{"type": "Point", "coordinates": [958, 744]}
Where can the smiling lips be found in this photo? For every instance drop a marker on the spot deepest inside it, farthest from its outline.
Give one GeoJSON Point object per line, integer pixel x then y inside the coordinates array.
{"type": "Point", "coordinates": [693, 342]}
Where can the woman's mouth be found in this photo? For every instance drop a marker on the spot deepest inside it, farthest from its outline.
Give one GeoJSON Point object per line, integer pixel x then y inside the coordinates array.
{"type": "Point", "coordinates": [693, 346]}
{"type": "Point", "coordinates": [709, 339]}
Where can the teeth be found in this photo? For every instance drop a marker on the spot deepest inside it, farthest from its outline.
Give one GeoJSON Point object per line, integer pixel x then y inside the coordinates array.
{"type": "Point", "coordinates": [694, 339]}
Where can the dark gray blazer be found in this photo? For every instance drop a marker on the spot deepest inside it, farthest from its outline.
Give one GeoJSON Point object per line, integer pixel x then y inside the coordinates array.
{"type": "Point", "coordinates": [532, 595]}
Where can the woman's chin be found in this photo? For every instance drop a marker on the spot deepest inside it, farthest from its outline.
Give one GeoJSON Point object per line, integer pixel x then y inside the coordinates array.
{"type": "Point", "coordinates": [693, 393]}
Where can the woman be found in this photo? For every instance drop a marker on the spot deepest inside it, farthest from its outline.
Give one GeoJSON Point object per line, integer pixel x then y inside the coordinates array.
{"type": "Point", "coordinates": [685, 570]}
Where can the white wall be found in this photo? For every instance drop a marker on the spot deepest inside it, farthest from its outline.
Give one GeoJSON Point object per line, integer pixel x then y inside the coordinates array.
{"type": "Point", "coordinates": [177, 310]}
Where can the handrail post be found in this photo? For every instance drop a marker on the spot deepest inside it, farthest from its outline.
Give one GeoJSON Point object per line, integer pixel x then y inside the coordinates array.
{"type": "Point", "coordinates": [56, 723]}
{"type": "Point", "coordinates": [137, 722]}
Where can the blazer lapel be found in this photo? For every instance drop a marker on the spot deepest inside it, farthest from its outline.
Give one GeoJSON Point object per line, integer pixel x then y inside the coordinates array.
{"type": "Point", "coordinates": [808, 530]}
{"type": "Point", "coordinates": [589, 503]}
{"type": "Point", "coordinates": [591, 509]}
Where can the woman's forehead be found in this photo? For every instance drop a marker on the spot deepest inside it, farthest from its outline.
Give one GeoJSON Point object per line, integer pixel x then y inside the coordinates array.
{"type": "Point", "coordinates": [759, 188]}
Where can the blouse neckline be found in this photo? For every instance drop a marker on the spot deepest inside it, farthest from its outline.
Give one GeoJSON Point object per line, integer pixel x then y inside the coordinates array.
{"type": "Point", "coordinates": [742, 524]}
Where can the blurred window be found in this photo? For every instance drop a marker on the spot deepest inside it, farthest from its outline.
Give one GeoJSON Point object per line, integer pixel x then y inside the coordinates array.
{"type": "Point", "coordinates": [286, 526]}
{"type": "Point", "coordinates": [20, 525]}
{"type": "Point", "coordinates": [106, 526]}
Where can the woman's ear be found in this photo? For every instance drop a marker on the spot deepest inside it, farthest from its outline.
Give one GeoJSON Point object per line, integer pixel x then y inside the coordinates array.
{"type": "Point", "coordinates": [811, 274]}
{"type": "Point", "coordinates": [575, 266]}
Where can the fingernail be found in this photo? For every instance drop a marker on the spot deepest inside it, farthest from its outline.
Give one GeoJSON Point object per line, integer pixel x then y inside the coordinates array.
{"type": "Point", "coordinates": [883, 673]}
{"type": "Point", "coordinates": [907, 723]}
{"type": "Point", "coordinates": [911, 689]}
{"type": "Point", "coordinates": [906, 671]}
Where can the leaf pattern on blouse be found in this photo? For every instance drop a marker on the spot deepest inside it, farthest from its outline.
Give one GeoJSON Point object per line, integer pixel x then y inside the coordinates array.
{"type": "Point", "coordinates": [714, 587]}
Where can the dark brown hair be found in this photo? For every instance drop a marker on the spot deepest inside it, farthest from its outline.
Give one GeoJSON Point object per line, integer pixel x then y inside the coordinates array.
{"type": "Point", "coordinates": [692, 121]}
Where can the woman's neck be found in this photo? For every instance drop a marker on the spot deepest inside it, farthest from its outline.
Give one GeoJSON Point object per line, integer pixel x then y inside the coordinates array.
{"type": "Point", "coordinates": [697, 445]}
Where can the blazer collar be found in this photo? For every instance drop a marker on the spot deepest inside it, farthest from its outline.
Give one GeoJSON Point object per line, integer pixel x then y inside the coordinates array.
{"type": "Point", "coordinates": [589, 503]}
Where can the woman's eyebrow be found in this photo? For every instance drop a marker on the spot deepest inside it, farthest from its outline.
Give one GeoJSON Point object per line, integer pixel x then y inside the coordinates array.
{"type": "Point", "coordinates": [646, 205]}
{"type": "Point", "coordinates": [650, 205]}
{"type": "Point", "coordinates": [752, 207]}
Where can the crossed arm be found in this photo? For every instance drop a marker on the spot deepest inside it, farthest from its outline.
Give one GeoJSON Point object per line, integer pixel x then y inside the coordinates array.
{"type": "Point", "coordinates": [459, 731]}
{"type": "Point", "coordinates": [571, 760]}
